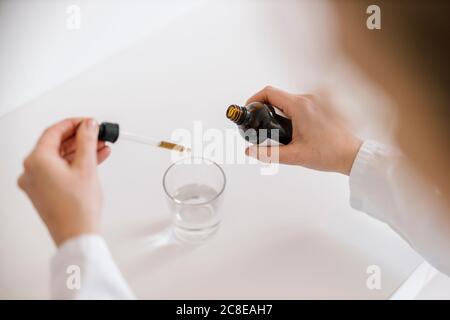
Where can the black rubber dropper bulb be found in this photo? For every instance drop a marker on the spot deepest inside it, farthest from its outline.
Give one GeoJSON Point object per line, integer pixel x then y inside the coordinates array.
{"type": "Point", "coordinates": [108, 131]}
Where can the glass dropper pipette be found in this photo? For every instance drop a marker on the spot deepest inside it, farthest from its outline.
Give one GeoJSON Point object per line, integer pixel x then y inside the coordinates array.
{"type": "Point", "coordinates": [111, 132]}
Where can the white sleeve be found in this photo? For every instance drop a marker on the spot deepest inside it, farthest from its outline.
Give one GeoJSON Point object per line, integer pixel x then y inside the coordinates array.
{"type": "Point", "coordinates": [384, 185]}
{"type": "Point", "coordinates": [84, 269]}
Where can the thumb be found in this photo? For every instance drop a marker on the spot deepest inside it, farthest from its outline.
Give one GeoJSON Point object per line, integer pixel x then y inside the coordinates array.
{"type": "Point", "coordinates": [265, 154]}
{"type": "Point", "coordinates": [86, 144]}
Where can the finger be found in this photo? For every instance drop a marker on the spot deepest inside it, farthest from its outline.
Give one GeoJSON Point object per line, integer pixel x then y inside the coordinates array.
{"type": "Point", "coordinates": [21, 182]}
{"type": "Point", "coordinates": [276, 97]}
{"type": "Point", "coordinates": [102, 154]}
{"type": "Point", "coordinates": [71, 155]}
{"type": "Point", "coordinates": [86, 144]}
{"type": "Point", "coordinates": [269, 154]}
{"type": "Point", "coordinates": [69, 146]}
{"type": "Point", "coordinates": [53, 136]}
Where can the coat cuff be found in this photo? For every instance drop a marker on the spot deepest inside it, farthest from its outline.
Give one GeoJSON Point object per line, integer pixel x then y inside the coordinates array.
{"type": "Point", "coordinates": [362, 170]}
{"type": "Point", "coordinates": [98, 276]}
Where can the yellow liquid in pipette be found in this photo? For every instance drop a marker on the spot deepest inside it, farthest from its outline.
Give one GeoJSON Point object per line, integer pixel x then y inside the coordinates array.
{"type": "Point", "coordinates": [173, 146]}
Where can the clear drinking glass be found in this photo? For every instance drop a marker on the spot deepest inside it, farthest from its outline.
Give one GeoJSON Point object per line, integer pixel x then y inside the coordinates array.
{"type": "Point", "coordinates": [194, 189]}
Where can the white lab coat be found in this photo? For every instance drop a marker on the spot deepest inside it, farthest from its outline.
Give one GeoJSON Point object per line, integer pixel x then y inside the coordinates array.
{"type": "Point", "coordinates": [382, 184]}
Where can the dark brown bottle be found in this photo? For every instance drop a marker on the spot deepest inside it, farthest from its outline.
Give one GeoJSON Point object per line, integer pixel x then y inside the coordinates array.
{"type": "Point", "coordinates": [257, 115]}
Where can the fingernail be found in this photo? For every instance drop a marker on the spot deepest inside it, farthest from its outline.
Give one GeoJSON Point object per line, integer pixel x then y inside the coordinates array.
{"type": "Point", "coordinates": [91, 124]}
{"type": "Point", "coordinates": [247, 152]}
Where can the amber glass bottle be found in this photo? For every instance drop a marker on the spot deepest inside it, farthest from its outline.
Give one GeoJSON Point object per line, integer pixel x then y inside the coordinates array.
{"type": "Point", "coordinates": [257, 116]}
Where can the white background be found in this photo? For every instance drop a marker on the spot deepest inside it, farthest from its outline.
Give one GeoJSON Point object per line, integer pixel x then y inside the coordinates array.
{"type": "Point", "coordinates": [132, 61]}
{"type": "Point", "coordinates": [38, 51]}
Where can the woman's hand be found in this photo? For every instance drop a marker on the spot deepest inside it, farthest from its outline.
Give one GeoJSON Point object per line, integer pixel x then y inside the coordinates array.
{"type": "Point", "coordinates": [60, 178]}
{"type": "Point", "coordinates": [320, 139]}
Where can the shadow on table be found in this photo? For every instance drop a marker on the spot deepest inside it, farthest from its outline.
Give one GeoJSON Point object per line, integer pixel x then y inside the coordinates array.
{"type": "Point", "coordinates": [155, 245]}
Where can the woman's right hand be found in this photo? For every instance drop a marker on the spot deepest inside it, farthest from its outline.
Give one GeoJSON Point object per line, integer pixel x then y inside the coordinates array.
{"type": "Point", "coordinates": [60, 178]}
{"type": "Point", "coordinates": [320, 138]}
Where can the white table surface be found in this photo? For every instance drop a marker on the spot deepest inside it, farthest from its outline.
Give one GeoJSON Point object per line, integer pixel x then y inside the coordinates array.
{"type": "Point", "coordinates": [290, 235]}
